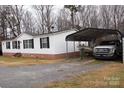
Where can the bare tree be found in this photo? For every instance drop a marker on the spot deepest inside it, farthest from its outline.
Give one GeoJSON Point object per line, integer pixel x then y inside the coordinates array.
{"type": "Point", "coordinates": [17, 13]}
{"type": "Point", "coordinates": [73, 10]}
{"type": "Point", "coordinates": [94, 20]}
{"type": "Point", "coordinates": [117, 15]}
{"type": "Point", "coordinates": [17, 19]}
{"type": "Point", "coordinates": [105, 16]}
{"type": "Point", "coordinates": [29, 23]}
{"type": "Point", "coordinates": [45, 17]}
{"type": "Point", "coordinates": [40, 17]}
{"type": "Point", "coordinates": [13, 18]}
{"type": "Point", "coordinates": [3, 23]}
{"type": "Point", "coordinates": [88, 16]}
{"type": "Point", "coordinates": [112, 16]}
{"type": "Point", "coordinates": [63, 20]}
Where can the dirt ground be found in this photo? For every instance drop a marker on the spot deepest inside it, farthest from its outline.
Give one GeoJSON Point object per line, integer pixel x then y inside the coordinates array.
{"type": "Point", "coordinates": [17, 73]}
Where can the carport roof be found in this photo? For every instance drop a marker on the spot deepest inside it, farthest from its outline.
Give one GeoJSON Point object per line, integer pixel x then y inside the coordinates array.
{"type": "Point", "coordinates": [89, 34]}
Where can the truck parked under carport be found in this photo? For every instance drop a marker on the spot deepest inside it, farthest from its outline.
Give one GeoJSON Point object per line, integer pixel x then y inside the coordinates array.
{"type": "Point", "coordinates": [112, 49]}
{"type": "Point", "coordinates": [108, 50]}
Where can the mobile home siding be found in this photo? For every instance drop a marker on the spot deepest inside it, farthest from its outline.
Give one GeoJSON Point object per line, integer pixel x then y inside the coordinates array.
{"type": "Point", "coordinates": [56, 46]}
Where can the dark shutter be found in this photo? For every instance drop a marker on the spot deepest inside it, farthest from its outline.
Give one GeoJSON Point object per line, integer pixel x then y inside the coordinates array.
{"type": "Point", "coordinates": [24, 44]}
{"type": "Point", "coordinates": [8, 45]}
{"type": "Point", "coordinates": [40, 42]}
{"type": "Point", "coordinates": [32, 43]}
{"type": "Point", "coordinates": [18, 44]}
{"type": "Point", "coordinates": [48, 45]}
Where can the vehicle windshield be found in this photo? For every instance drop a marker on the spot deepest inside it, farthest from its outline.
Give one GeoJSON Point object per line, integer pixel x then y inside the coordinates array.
{"type": "Point", "coordinates": [108, 43]}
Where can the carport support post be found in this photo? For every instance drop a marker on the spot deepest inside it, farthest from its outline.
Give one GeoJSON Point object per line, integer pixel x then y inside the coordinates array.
{"type": "Point", "coordinates": [81, 53]}
{"type": "Point", "coordinates": [123, 48]}
{"type": "Point", "coordinates": [67, 49]}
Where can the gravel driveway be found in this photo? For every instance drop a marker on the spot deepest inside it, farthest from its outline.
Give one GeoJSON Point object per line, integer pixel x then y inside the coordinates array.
{"type": "Point", "coordinates": [31, 76]}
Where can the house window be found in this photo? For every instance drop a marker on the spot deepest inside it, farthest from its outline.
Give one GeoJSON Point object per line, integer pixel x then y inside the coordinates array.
{"type": "Point", "coordinates": [16, 44]}
{"type": "Point", "coordinates": [44, 42]}
{"type": "Point", "coordinates": [7, 45]}
{"type": "Point", "coordinates": [28, 43]}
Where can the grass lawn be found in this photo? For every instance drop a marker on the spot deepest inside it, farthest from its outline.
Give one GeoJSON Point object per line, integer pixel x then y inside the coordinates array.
{"type": "Point", "coordinates": [22, 61]}
{"type": "Point", "coordinates": [111, 75]}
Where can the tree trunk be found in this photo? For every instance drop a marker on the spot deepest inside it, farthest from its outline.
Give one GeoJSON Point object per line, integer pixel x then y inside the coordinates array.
{"type": "Point", "coordinates": [72, 19]}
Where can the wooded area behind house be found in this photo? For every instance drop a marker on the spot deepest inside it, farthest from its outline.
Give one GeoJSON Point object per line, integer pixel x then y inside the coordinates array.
{"type": "Point", "coordinates": [15, 19]}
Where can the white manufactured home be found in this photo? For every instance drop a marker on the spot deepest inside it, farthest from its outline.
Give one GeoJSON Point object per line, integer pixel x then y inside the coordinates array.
{"type": "Point", "coordinates": [48, 46]}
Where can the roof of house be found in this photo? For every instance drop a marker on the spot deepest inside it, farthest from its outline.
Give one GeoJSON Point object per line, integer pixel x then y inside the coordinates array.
{"type": "Point", "coordinates": [44, 34]}
{"type": "Point", "coordinates": [89, 34]}
{"type": "Point", "coordinates": [56, 32]}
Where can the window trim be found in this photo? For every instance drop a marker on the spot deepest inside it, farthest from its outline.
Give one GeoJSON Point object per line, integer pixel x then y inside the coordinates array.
{"type": "Point", "coordinates": [42, 43]}
{"type": "Point", "coordinates": [8, 47]}
{"type": "Point", "coordinates": [28, 44]}
{"type": "Point", "coordinates": [17, 45]}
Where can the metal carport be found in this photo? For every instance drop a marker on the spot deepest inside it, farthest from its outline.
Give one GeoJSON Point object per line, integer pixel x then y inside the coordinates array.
{"type": "Point", "coordinates": [90, 34]}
